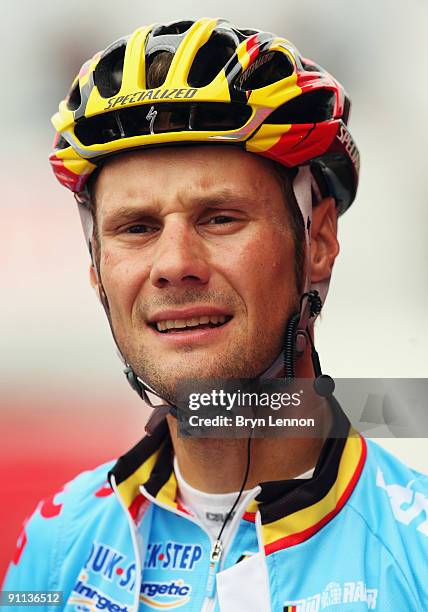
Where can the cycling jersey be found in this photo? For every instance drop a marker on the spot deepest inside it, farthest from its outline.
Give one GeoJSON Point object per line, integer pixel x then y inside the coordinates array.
{"type": "Point", "coordinates": [353, 537]}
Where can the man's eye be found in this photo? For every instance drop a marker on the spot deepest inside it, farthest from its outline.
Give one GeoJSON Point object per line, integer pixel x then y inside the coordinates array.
{"type": "Point", "coordinates": [220, 219]}
{"type": "Point", "coordinates": [140, 229]}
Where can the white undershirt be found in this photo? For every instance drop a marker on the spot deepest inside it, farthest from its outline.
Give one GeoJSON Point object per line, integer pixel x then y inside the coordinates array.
{"type": "Point", "coordinates": [210, 508]}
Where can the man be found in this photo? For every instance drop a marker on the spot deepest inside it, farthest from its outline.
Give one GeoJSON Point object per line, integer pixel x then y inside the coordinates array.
{"type": "Point", "coordinates": [213, 261]}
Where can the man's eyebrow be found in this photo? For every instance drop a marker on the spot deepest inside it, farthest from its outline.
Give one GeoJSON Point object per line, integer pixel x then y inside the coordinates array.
{"type": "Point", "coordinates": [223, 197]}
{"type": "Point", "coordinates": [124, 214]}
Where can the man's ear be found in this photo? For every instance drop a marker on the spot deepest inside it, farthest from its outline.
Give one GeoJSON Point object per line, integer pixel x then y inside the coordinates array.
{"type": "Point", "coordinates": [94, 280]}
{"type": "Point", "coordinates": [324, 244]}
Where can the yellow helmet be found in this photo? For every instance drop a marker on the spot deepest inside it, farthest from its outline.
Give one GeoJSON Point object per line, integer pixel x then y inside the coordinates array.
{"type": "Point", "coordinates": [221, 85]}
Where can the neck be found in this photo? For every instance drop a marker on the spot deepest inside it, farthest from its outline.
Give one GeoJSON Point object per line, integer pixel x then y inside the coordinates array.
{"type": "Point", "coordinates": [219, 465]}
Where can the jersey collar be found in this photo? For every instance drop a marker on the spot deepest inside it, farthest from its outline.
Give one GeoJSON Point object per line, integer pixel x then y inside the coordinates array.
{"type": "Point", "coordinates": [291, 511]}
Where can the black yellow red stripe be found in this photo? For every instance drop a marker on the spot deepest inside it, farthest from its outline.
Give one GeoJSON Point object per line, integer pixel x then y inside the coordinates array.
{"type": "Point", "coordinates": [304, 523]}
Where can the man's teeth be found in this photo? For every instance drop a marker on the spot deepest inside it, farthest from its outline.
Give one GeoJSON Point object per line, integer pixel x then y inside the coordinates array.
{"type": "Point", "coordinates": [193, 322]}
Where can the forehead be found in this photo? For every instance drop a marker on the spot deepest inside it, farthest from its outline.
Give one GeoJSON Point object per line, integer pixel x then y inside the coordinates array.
{"type": "Point", "coordinates": [195, 171]}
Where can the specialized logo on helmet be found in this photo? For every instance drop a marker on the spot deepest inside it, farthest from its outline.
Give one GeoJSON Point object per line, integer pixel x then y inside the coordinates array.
{"type": "Point", "coordinates": [260, 61]}
{"type": "Point", "coordinates": [151, 116]}
{"type": "Point", "coordinates": [406, 503]}
{"type": "Point", "coordinates": [150, 94]}
{"type": "Point", "coordinates": [350, 146]}
{"type": "Point", "coordinates": [335, 594]}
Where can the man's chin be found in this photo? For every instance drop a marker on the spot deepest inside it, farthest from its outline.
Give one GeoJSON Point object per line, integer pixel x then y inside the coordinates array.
{"type": "Point", "coordinates": [165, 371]}
{"type": "Point", "coordinates": [168, 383]}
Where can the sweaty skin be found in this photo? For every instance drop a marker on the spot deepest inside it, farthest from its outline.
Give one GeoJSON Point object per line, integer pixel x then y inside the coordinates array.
{"type": "Point", "coordinates": [186, 230]}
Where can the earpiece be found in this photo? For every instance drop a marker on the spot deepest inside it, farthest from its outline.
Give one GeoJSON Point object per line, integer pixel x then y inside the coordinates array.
{"type": "Point", "coordinates": [295, 345]}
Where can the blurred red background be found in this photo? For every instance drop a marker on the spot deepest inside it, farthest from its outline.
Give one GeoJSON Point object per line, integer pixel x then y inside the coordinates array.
{"type": "Point", "coordinates": [46, 446]}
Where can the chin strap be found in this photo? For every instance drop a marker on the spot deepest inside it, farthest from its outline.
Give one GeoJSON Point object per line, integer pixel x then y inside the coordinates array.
{"type": "Point", "coordinates": [160, 406]}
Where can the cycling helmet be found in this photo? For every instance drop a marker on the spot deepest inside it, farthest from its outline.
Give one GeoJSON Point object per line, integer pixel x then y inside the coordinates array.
{"type": "Point", "coordinates": [223, 85]}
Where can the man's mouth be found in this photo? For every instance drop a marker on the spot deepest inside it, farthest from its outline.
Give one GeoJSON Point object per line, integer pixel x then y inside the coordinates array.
{"type": "Point", "coordinates": [168, 326]}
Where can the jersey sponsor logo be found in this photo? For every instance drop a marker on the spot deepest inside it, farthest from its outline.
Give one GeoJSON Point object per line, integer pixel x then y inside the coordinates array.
{"type": "Point", "coordinates": [170, 594]}
{"type": "Point", "coordinates": [87, 598]}
{"type": "Point", "coordinates": [406, 503]}
{"type": "Point", "coordinates": [112, 565]}
{"type": "Point", "coordinates": [150, 94]}
{"type": "Point", "coordinates": [104, 560]}
{"type": "Point", "coordinates": [335, 594]}
{"type": "Point", "coordinates": [172, 555]}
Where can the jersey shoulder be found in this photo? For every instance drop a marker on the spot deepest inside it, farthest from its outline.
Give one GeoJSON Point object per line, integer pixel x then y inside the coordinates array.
{"type": "Point", "coordinates": [393, 484]}
{"type": "Point", "coordinates": [392, 499]}
{"type": "Point", "coordinates": [48, 533]}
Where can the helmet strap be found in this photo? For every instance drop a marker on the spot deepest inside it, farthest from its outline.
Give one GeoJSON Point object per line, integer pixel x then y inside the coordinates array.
{"type": "Point", "coordinates": [297, 332]}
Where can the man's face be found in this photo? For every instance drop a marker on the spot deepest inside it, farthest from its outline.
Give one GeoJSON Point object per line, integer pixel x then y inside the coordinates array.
{"type": "Point", "coordinates": [197, 262]}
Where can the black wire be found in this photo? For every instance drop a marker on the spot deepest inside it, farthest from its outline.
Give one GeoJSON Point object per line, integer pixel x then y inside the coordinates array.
{"type": "Point", "coordinates": [316, 363]}
{"type": "Point", "coordinates": [315, 305]}
{"type": "Point", "coordinates": [289, 345]}
{"type": "Point", "coordinates": [247, 471]}
{"type": "Point", "coordinates": [310, 338]}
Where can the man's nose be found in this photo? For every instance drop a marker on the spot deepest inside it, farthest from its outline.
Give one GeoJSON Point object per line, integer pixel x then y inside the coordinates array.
{"type": "Point", "coordinates": [179, 258]}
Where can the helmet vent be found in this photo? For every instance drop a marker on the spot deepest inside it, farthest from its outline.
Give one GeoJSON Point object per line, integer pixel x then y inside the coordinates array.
{"type": "Point", "coordinates": [109, 71]}
{"type": "Point", "coordinates": [311, 107]}
{"type": "Point", "coordinates": [311, 67]}
{"type": "Point", "coordinates": [210, 59]}
{"type": "Point", "coordinates": [246, 33]}
{"type": "Point", "coordinates": [179, 27]}
{"type": "Point", "coordinates": [157, 66]}
{"type": "Point", "coordinates": [175, 117]}
{"type": "Point", "coordinates": [346, 110]}
{"type": "Point", "coordinates": [74, 99]}
{"type": "Point", "coordinates": [267, 68]}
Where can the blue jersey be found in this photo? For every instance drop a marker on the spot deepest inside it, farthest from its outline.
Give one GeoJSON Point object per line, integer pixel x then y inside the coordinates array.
{"type": "Point", "coordinates": [354, 537]}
